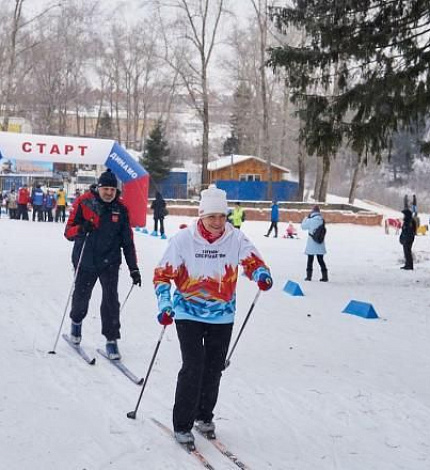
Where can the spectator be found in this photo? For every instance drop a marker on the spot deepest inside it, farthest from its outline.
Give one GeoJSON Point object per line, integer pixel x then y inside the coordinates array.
{"type": "Point", "coordinates": [60, 205]}
{"type": "Point", "coordinates": [158, 207]}
{"type": "Point", "coordinates": [311, 223]}
{"type": "Point", "coordinates": [12, 204]}
{"type": "Point", "coordinates": [237, 216]}
{"type": "Point", "coordinates": [407, 237]}
{"type": "Point", "coordinates": [37, 198]}
{"type": "Point", "coordinates": [23, 201]}
{"type": "Point", "coordinates": [274, 218]}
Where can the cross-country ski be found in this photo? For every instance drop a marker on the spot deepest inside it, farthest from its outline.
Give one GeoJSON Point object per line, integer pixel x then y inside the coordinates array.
{"type": "Point", "coordinates": [80, 350]}
{"type": "Point", "coordinates": [119, 364]}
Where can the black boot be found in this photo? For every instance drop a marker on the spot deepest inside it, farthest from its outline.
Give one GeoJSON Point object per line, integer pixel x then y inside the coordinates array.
{"type": "Point", "coordinates": [324, 276]}
{"type": "Point", "coordinates": [308, 275]}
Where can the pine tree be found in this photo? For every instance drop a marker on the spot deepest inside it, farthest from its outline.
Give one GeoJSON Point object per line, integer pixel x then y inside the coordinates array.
{"type": "Point", "coordinates": [242, 122]}
{"type": "Point", "coordinates": [105, 126]}
{"type": "Point", "coordinates": [362, 73]}
{"type": "Point", "coordinates": [231, 145]}
{"type": "Point", "coordinates": [155, 159]}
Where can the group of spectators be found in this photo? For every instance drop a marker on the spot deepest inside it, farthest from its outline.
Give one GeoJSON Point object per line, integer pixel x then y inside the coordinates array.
{"type": "Point", "coordinates": [41, 203]}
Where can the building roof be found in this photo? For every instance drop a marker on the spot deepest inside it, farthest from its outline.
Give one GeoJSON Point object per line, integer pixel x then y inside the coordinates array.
{"type": "Point", "coordinates": [225, 162]}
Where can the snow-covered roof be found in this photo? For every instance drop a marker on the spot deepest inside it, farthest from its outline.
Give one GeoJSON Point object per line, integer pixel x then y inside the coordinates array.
{"type": "Point", "coordinates": [227, 161]}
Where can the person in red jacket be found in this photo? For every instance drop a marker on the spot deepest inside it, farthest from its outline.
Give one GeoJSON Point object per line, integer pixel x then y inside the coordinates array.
{"type": "Point", "coordinates": [100, 228]}
{"type": "Point", "coordinates": [23, 201]}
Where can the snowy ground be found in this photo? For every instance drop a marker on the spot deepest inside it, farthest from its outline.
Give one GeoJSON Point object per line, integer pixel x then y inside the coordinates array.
{"type": "Point", "coordinates": [309, 387]}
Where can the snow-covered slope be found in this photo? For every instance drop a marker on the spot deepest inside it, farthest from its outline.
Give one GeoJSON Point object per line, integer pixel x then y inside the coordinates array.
{"type": "Point", "coordinates": [309, 387]}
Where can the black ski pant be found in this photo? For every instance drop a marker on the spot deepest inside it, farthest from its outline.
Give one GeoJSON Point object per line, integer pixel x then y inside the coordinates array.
{"type": "Point", "coordinates": [407, 250]}
{"type": "Point", "coordinates": [60, 211]}
{"type": "Point", "coordinates": [48, 215]}
{"type": "Point", "coordinates": [109, 308]}
{"type": "Point", "coordinates": [204, 348]}
{"type": "Point", "coordinates": [22, 211]}
{"type": "Point", "coordinates": [39, 211]}
{"type": "Point", "coordinates": [161, 226]}
{"type": "Point", "coordinates": [320, 259]}
{"type": "Point", "coordinates": [273, 225]}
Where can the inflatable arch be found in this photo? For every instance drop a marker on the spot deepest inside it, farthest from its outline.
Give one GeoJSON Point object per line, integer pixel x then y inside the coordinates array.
{"type": "Point", "coordinates": [85, 151]}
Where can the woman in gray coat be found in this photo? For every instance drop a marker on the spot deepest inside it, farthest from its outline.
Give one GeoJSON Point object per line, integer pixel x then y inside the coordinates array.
{"type": "Point", "coordinates": [311, 223]}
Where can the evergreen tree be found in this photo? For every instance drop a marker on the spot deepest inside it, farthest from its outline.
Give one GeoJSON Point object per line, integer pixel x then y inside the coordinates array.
{"type": "Point", "coordinates": [155, 159]}
{"type": "Point", "coordinates": [242, 121]}
{"type": "Point", "coordinates": [105, 126]}
{"type": "Point", "coordinates": [362, 72]}
{"type": "Point", "coordinates": [231, 145]}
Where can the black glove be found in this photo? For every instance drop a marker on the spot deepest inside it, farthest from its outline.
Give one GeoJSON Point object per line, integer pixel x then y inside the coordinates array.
{"type": "Point", "coordinates": [137, 279]}
{"type": "Point", "coordinates": [87, 226]}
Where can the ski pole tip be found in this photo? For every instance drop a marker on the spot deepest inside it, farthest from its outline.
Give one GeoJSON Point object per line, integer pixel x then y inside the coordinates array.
{"type": "Point", "coordinates": [131, 415]}
{"type": "Point", "coordinates": [52, 352]}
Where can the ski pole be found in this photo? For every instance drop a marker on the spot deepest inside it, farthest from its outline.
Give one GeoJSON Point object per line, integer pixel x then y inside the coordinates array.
{"type": "Point", "coordinates": [227, 362]}
{"type": "Point", "coordinates": [132, 414]}
{"type": "Point", "coordinates": [126, 298]}
{"type": "Point", "coordinates": [70, 295]}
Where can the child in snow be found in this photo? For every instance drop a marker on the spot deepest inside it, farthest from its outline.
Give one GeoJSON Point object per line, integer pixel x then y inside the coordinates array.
{"type": "Point", "coordinates": [291, 231]}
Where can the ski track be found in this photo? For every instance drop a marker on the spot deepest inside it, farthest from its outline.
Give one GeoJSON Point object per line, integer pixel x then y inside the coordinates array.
{"type": "Point", "coordinates": [308, 387]}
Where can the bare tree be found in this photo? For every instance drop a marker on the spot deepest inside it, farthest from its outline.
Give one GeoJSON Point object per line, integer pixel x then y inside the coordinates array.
{"type": "Point", "coordinates": [190, 54]}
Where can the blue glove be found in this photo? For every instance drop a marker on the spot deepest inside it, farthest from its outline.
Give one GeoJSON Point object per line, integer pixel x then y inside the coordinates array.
{"type": "Point", "coordinates": [265, 281]}
{"type": "Point", "coordinates": [165, 317]}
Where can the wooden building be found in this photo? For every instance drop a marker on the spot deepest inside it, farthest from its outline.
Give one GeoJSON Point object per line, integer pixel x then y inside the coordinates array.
{"type": "Point", "coordinates": [244, 168]}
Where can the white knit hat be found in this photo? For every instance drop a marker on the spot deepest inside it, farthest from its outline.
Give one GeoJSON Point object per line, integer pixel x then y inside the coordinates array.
{"type": "Point", "coordinates": [213, 201]}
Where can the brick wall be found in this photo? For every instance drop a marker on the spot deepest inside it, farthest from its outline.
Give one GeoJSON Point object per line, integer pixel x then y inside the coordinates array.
{"type": "Point", "coordinates": [293, 215]}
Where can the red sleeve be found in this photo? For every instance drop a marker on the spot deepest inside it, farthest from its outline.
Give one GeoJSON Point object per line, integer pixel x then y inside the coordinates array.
{"type": "Point", "coordinates": [75, 218]}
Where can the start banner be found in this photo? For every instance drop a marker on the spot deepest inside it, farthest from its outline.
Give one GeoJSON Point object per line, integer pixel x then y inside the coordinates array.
{"type": "Point", "coordinates": [84, 151]}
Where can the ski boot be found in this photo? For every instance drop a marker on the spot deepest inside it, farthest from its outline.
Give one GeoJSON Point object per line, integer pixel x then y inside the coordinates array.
{"type": "Point", "coordinates": [206, 428]}
{"type": "Point", "coordinates": [186, 439]}
{"type": "Point", "coordinates": [76, 333]}
{"type": "Point", "coordinates": [112, 350]}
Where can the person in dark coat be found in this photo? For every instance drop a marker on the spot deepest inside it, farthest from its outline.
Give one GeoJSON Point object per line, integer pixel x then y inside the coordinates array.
{"type": "Point", "coordinates": [407, 237]}
{"type": "Point", "coordinates": [99, 226]}
{"type": "Point", "coordinates": [158, 207]}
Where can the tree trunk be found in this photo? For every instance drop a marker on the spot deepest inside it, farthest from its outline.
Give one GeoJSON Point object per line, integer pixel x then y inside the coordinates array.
{"type": "Point", "coordinates": [318, 177]}
{"type": "Point", "coordinates": [354, 181]}
{"type": "Point", "coordinates": [12, 64]}
{"type": "Point", "coordinates": [205, 140]}
{"type": "Point", "coordinates": [262, 20]}
{"type": "Point", "coordinates": [322, 197]}
{"type": "Point", "coordinates": [301, 164]}
{"type": "Point", "coordinates": [285, 102]}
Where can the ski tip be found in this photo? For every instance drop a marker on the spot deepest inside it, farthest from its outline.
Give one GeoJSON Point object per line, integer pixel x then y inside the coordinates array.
{"type": "Point", "coordinates": [227, 363]}
{"type": "Point", "coordinates": [92, 362]}
{"type": "Point", "coordinates": [141, 381]}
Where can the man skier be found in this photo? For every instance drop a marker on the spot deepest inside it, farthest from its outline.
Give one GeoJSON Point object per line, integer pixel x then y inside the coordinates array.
{"type": "Point", "coordinates": [100, 227]}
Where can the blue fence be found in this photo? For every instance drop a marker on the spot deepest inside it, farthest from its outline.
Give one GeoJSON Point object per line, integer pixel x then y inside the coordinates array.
{"type": "Point", "coordinates": [172, 187]}
{"type": "Point", "coordinates": [9, 182]}
{"type": "Point", "coordinates": [258, 190]}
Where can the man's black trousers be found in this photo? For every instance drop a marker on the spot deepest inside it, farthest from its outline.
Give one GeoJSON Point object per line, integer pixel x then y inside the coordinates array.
{"type": "Point", "coordinates": [204, 348]}
{"type": "Point", "coordinates": [161, 225]}
{"type": "Point", "coordinates": [407, 250]}
{"type": "Point", "coordinates": [109, 309]}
